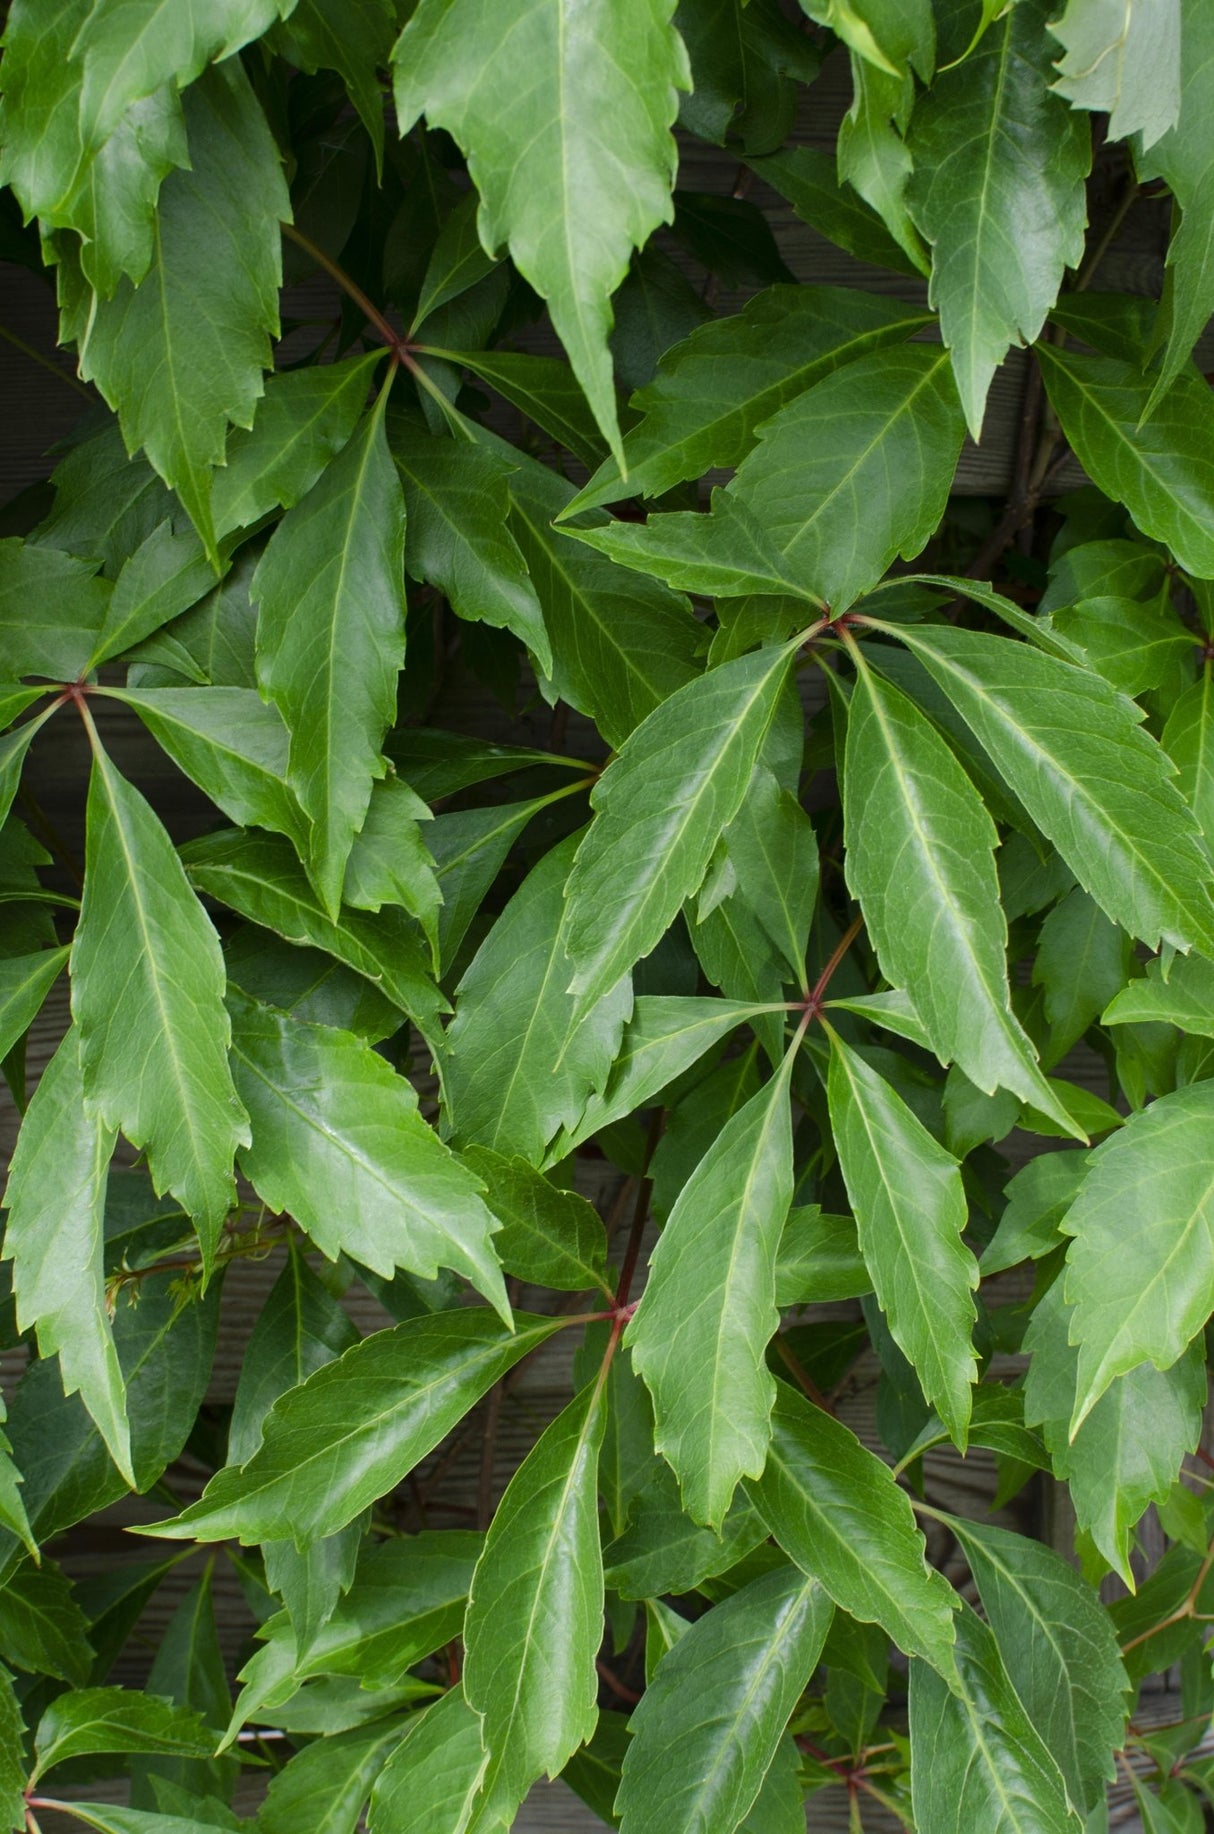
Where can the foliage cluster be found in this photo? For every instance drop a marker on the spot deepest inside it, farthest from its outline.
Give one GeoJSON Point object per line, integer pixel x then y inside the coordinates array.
{"type": "Point", "coordinates": [795, 974]}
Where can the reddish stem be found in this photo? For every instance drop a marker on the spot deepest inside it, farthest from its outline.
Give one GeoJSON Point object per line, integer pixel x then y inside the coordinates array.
{"type": "Point", "coordinates": [817, 992]}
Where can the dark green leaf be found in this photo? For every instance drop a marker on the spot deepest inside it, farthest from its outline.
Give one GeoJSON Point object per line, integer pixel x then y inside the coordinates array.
{"type": "Point", "coordinates": [301, 1328]}
{"type": "Point", "coordinates": [42, 1628]}
{"type": "Point", "coordinates": [90, 1720]}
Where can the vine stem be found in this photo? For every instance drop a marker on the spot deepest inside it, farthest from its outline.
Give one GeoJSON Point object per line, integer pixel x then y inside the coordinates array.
{"type": "Point", "coordinates": [36, 356]}
{"type": "Point", "coordinates": [1186, 1609]}
{"type": "Point", "coordinates": [396, 342]}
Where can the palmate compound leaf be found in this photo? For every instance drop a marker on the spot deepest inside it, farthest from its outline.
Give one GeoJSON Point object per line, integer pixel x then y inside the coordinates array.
{"type": "Point", "coordinates": [182, 354]}
{"type": "Point", "coordinates": [708, 1311]}
{"type": "Point", "coordinates": [569, 145]}
{"type": "Point", "coordinates": [535, 1612]}
{"type": "Point", "coordinates": [1096, 784]}
{"type": "Point", "coordinates": [910, 1210]}
{"type": "Point", "coordinates": [331, 640]}
{"type": "Point", "coordinates": [1142, 1295]}
{"type": "Point", "coordinates": [660, 807]}
{"type": "Point", "coordinates": [835, 1509]}
{"type": "Point", "coordinates": [55, 1198]}
{"type": "Point", "coordinates": [520, 1060]}
{"type": "Point", "coordinates": [1060, 1651]}
{"type": "Point", "coordinates": [710, 1721]}
{"type": "Point", "coordinates": [338, 1141]}
{"type": "Point", "coordinates": [147, 997]}
{"type": "Point", "coordinates": [998, 192]}
{"type": "Point", "coordinates": [921, 860]}
{"type": "Point", "coordinates": [977, 1759]}
{"type": "Point", "coordinates": [357, 1427]}
{"type": "Point", "coordinates": [1161, 471]}
{"type": "Point", "coordinates": [1122, 59]}
{"type": "Point", "coordinates": [714, 389]}
{"type": "Point", "coordinates": [1131, 1445]}
{"type": "Point", "coordinates": [849, 474]}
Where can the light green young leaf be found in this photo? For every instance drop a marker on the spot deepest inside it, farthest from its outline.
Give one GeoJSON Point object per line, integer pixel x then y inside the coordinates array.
{"type": "Point", "coordinates": [1160, 470]}
{"type": "Point", "coordinates": [835, 1509]}
{"type": "Point", "coordinates": [55, 1197]}
{"type": "Point", "coordinates": [535, 1614]}
{"type": "Point", "coordinates": [1060, 1651]}
{"type": "Point", "coordinates": [331, 640]}
{"type": "Point", "coordinates": [302, 422]}
{"type": "Point", "coordinates": [259, 876]}
{"type": "Point", "coordinates": [620, 644]}
{"type": "Point", "coordinates": [910, 1211]}
{"type": "Point", "coordinates": [324, 1788]}
{"type": "Point", "coordinates": [129, 48]}
{"type": "Point", "coordinates": [147, 996]}
{"type": "Point", "coordinates": [998, 192]}
{"type": "Point", "coordinates": [1141, 1297]}
{"type": "Point", "coordinates": [231, 744]}
{"type": "Point", "coordinates": [708, 1311]}
{"type": "Point", "coordinates": [25, 981]}
{"type": "Point", "coordinates": [182, 354]}
{"type": "Point", "coordinates": [1122, 58]}
{"type": "Point", "coordinates": [301, 1327]}
{"type": "Point", "coordinates": [548, 1237]}
{"type": "Point", "coordinates": [457, 497]}
{"type": "Point", "coordinates": [431, 1781]}
{"type": "Point", "coordinates": [920, 859]}
{"type": "Point", "coordinates": [89, 1720]}
{"type": "Point", "coordinates": [1188, 739]}
{"type": "Point", "coordinates": [978, 1760]}
{"type": "Point", "coordinates": [660, 807]}
{"type": "Point", "coordinates": [338, 1142]}
{"type": "Point", "coordinates": [872, 155]}
{"type": "Point", "coordinates": [51, 609]}
{"type": "Point", "coordinates": [1094, 782]}
{"type": "Point", "coordinates": [709, 1723]}
{"type": "Point", "coordinates": [536, 142]}
{"type": "Point", "coordinates": [1184, 159]}
{"type": "Point", "coordinates": [521, 1058]}
{"type": "Point", "coordinates": [714, 389]}
{"type": "Point", "coordinates": [357, 1427]}
{"type": "Point", "coordinates": [1183, 996]}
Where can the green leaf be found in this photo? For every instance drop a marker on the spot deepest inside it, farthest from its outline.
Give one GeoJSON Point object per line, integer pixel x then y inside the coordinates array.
{"type": "Point", "coordinates": [808, 179]}
{"type": "Point", "coordinates": [89, 1720]}
{"type": "Point", "coordinates": [1124, 61]}
{"type": "Point", "coordinates": [13, 1515]}
{"type": "Point", "coordinates": [535, 148]}
{"type": "Point", "coordinates": [1082, 962]}
{"type": "Point", "coordinates": [147, 996]}
{"type": "Point", "coordinates": [620, 645]}
{"type": "Point", "coordinates": [1134, 645]}
{"type": "Point", "coordinates": [129, 48]}
{"type": "Point", "coordinates": [189, 1670]}
{"type": "Point", "coordinates": [259, 876]}
{"type": "Point", "coordinates": [1097, 785]}
{"type": "Point", "coordinates": [354, 40]}
{"type": "Point", "coordinates": [300, 1329]}
{"type": "Point", "coordinates": [456, 263]}
{"type": "Point", "coordinates": [228, 742]}
{"type": "Point", "coordinates": [714, 390]}
{"type": "Point", "coordinates": [660, 807]}
{"type": "Point", "coordinates": [920, 859]}
{"type": "Point", "coordinates": [1181, 996]}
{"type": "Point", "coordinates": [709, 1723]}
{"type": "Point", "coordinates": [521, 1057]}
{"type": "Point", "coordinates": [871, 153]}
{"type": "Point", "coordinates": [544, 389]}
{"type": "Point", "coordinates": [819, 1259]}
{"type": "Point", "coordinates": [1142, 1297]}
{"type": "Point", "coordinates": [724, 555]}
{"type": "Point", "coordinates": [389, 862]}
{"type": "Point", "coordinates": [1038, 1198]}
{"type": "Point", "coordinates": [56, 1210]}
{"type": "Point", "coordinates": [536, 1609]}
{"type": "Point", "coordinates": [25, 981]}
{"type": "Point", "coordinates": [165, 575]}
{"type": "Point", "coordinates": [709, 1309]}
{"type": "Point", "coordinates": [110, 1819]}
{"type": "Point", "coordinates": [182, 354]}
{"type": "Point", "coordinates": [431, 1781]}
{"type": "Point", "coordinates": [51, 609]}
{"type": "Point", "coordinates": [331, 640]}
{"type": "Point", "coordinates": [1184, 158]}
{"type": "Point", "coordinates": [42, 1628]}
{"type": "Point", "coordinates": [910, 1210]}
{"type": "Point", "coordinates": [1060, 1651]}
{"type": "Point", "coordinates": [357, 1427]}
{"type": "Point", "coordinates": [548, 1237]}
{"type": "Point", "coordinates": [457, 497]}
{"type": "Point", "coordinates": [998, 192]}
{"type": "Point", "coordinates": [834, 1509]}
{"type": "Point", "coordinates": [662, 1551]}
{"type": "Point", "coordinates": [1129, 1448]}
{"type": "Point", "coordinates": [337, 1140]}
{"type": "Point", "coordinates": [1188, 739]}
{"type": "Point", "coordinates": [978, 1761]}
{"type": "Point", "coordinates": [1160, 470]}
{"type": "Point", "coordinates": [324, 1788]}
{"type": "Point", "coordinates": [12, 1757]}
{"type": "Point", "coordinates": [773, 850]}
{"type": "Point", "coordinates": [302, 422]}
